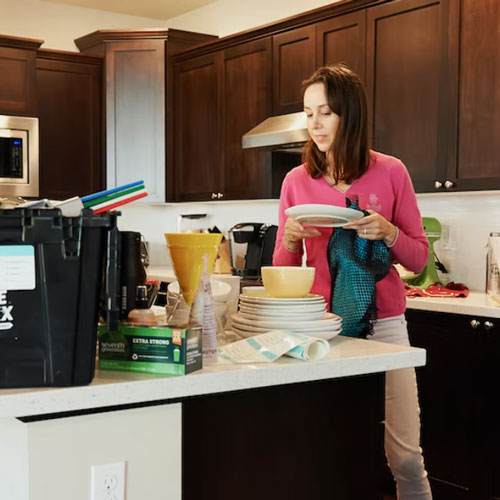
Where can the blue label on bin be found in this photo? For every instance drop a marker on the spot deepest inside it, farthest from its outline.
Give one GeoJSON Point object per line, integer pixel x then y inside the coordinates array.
{"type": "Point", "coordinates": [17, 267]}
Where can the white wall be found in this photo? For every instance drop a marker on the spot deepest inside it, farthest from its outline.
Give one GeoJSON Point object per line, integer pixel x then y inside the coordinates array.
{"type": "Point", "coordinates": [467, 220]}
{"type": "Point", "coordinates": [59, 24]}
{"type": "Point", "coordinates": [226, 17]}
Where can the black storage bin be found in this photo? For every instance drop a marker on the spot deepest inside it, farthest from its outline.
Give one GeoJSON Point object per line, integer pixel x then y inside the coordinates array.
{"type": "Point", "coordinates": [48, 336]}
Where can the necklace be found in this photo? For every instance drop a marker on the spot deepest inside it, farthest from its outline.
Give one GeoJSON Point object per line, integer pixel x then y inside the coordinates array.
{"type": "Point", "coordinates": [341, 186]}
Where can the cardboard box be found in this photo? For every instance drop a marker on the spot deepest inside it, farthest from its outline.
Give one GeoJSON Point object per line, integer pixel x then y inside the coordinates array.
{"type": "Point", "coordinates": [167, 350]}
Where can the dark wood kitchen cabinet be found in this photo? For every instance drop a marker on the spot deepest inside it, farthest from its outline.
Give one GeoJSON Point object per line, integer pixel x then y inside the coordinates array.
{"type": "Point", "coordinates": [458, 389]}
{"type": "Point", "coordinates": [246, 97]}
{"type": "Point", "coordinates": [474, 159]}
{"type": "Point", "coordinates": [342, 39]}
{"type": "Point", "coordinates": [218, 98]}
{"type": "Point", "coordinates": [198, 167]}
{"type": "Point", "coordinates": [138, 102]}
{"type": "Point", "coordinates": [294, 60]}
{"type": "Point", "coordinates": [70, 120]}
{"type": "Point", "coordinates": [18, 75]}
{"type": "Point", "coordinates": [408, 76]}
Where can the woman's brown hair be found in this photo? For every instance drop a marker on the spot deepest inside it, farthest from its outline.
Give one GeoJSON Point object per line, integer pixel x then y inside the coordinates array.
{"type": "Point", "coordinates": [350, 151]}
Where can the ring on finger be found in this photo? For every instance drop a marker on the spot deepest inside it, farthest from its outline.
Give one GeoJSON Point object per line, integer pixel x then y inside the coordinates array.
{"type": "Point", "coordinates": [365, 231]}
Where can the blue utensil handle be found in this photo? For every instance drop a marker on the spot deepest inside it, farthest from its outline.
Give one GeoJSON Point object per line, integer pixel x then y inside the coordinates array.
{"type": "Point", "coordinates": [93, 196]}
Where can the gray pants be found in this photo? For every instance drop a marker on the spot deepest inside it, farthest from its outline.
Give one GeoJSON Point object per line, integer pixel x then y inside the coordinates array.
{"type": "Point", "coordinates": [402, 418]}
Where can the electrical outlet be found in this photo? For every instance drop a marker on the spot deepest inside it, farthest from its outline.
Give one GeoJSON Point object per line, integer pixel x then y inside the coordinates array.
{"type": "Point", "coordinates": [107, 482]}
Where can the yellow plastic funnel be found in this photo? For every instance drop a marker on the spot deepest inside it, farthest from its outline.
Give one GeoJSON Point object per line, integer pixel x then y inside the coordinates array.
{"type": "Point", "coordinates": [187, 251]}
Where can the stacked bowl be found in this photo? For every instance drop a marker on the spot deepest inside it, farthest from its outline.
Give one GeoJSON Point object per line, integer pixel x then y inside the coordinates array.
{"type": "Point", "coordinates": [284, 303]}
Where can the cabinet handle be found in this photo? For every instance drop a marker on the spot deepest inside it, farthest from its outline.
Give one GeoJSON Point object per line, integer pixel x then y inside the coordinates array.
{"type": "Point", "coordinates": [220, 195]}
{"type": "Point", "coordinates": [488, 325]}
{"type": "Point", "coordinates": [214, 196]}
{"type": "Point", "coordinates": [438, 185]}
{"type": "Point", "coordinates": [449, 184]}
{"type": "Point", "coordinates": [474, 323]}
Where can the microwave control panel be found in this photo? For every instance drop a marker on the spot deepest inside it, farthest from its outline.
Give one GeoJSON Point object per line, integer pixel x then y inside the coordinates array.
{"type": "Point", "coordinates": [11, 157]}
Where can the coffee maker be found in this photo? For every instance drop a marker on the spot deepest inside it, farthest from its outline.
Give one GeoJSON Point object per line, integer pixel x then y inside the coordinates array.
{"type": "Point", "coordinates": [251, 246]}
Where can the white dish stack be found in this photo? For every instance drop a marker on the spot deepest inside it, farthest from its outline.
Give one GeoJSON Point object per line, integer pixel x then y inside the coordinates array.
{"type": "Point", "coordinates": [260, 313]}
{"type": "Point", "coordinates": [220, 293]}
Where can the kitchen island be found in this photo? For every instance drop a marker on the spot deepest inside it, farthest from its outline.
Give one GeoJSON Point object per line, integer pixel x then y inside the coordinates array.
{"type": "Point", "coordinates": [288, 429]}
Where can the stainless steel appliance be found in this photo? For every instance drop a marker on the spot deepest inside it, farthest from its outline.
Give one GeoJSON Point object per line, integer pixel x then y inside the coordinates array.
{"type": "Point", "coordinates": [18, 156]}
{"type": "Point", "coordinates": [284, 132]}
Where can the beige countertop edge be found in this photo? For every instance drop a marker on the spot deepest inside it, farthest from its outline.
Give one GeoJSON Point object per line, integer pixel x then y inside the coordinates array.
{"type": "Point", "coordinates": [476, 304]}
{"type": "Point", "coordinates": [347, 357]}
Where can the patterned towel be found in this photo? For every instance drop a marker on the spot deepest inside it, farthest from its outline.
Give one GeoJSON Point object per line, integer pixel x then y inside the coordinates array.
{"type": "Point", "coordinates": [438, 290]}
{"type": "Point", "coordinates": [355, 266]}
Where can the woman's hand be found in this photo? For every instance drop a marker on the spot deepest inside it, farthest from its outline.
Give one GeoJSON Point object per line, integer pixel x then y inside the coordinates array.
{"type": "Point", "coordinates": [294, 232]}
{"type": "Point", "coordinates": [374, 227]}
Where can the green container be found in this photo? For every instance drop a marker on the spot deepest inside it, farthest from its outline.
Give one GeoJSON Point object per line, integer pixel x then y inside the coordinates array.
{"type": "Point", "coordinates": [156, 349]}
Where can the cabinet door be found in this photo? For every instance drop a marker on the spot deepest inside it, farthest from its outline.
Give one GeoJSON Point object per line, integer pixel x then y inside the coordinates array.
{"type": "Point", "coordinates": [474, 161]}
{"type": "Point", "coordinates": [455, 398]}
{"type": "Point", "coordinates": [197, 128]}
{"type": "Point", "coordinates": [246, 103]}
{"type": "Point", "coordinates": [135, 115]}
{"type": "Point", "coordinates": [294, 60]}
{"type": "Point", "coordinates": [69, 96]}
{"type": "Point", "coordinates": [407, 82]}
{"type": "Point", "coordinates": [342, 40]}
{"type": "Point", "coordinates": [17, 81]}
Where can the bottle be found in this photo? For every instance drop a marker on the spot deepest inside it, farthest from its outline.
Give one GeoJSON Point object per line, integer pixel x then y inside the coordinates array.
{"type": "Point", "coordinates": [142, 314]}
{"type": "Point", "coordinates": [492, 265]}
{"type": "Point", "coordinates": [132, 271]}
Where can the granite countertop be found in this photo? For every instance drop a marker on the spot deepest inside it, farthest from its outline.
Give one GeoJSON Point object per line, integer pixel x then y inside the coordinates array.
{"type": "Point", "coordinates": [347, 357]}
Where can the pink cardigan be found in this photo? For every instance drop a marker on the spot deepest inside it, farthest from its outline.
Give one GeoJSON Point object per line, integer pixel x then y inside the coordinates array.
{"type": "Point", "coordinates": [385, 188]}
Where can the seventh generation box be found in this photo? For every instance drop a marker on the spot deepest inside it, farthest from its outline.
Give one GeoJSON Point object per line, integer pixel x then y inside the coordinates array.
{"type": "Point", "coordinates": [167, 350]}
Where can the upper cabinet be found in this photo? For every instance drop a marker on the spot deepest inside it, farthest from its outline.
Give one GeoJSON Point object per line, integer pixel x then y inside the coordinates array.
{"type": "Point", "coordinates": [137, 67]}
{"type": "Point", "coordinates": [342, 40]}
{"type": "Point", "coordinates": [407, 80]}
{"type": "Point", "coordinates": [70, 116]}
{"type": "Point", "coordinates": [246, 98]}
{"type": "Point", "coordinates": [474, 134]}
{"type": "Point", "coordinates": [198, 172]}
{"type": "Point", "coordinates": [219, 97]}
{"type": "Point", "coordinates": [18, 75]}
{"type": "Point", "coordinates": [294, 60]}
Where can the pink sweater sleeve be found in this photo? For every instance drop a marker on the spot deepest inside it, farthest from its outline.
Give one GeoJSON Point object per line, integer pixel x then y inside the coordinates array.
{"type": "Point", "coordinates": [411, 248]}
{"type": "Point", "coordinates": [282, 256]}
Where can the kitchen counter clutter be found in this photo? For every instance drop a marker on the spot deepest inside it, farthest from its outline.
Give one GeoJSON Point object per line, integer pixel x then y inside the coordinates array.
{"type": "Point", "coordinates": [477, 303]}
{"type": "Point", "coordinates": [347, 357]}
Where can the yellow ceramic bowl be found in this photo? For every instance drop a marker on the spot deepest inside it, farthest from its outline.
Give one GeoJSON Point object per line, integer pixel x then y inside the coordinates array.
{"type": "Point", "coordinates": [288, 281]}
{"type": "Point", "coordinates": [186, 252]}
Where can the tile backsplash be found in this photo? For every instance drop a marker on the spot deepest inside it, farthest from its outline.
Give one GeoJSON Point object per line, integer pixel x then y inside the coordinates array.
{"type": "Point", "coordinates": [466, 218]}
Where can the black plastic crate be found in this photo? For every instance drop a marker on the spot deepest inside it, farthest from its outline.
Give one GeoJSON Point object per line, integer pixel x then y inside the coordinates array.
{"type": "Point", "coordinates": [48, 334]}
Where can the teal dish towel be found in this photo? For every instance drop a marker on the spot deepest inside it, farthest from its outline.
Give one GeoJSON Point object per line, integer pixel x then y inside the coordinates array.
{"type": "Point", "coordinates": [355, 266]}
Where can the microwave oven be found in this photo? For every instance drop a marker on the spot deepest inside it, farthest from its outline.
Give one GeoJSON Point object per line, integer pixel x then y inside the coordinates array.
{"type": "Point", "coordinates": [18, 156]}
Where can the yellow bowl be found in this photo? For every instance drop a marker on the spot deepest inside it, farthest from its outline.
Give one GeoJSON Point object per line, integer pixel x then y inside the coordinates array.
{"type": "Point", "coordinates": [288, 282]}
{"type": "Point", "coordinates": [187, 251]}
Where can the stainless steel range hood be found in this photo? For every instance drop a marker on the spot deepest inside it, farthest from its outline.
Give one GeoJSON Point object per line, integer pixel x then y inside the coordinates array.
{"type": "Point", "coordinates": [286, 132]}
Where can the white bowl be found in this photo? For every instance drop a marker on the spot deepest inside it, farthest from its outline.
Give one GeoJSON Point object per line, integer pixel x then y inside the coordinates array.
{"type": "Point", "coordinates": [220, 289]}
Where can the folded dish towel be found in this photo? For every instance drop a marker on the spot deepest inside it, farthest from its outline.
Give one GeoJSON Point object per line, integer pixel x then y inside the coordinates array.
{"type": "Point", "coordinates": [438, 290]}
{"type": "Point", "coordinates": [355, 266]}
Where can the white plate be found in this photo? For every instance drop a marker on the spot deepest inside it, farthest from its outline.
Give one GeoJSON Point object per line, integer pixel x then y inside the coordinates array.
{"type": "Point", "coordinates": [327, 335]}
{"type": "Point", "coordinates": [264, 299]}
{"type": "Point", "coordinates": [323, 215]}
{"type": "Point", "coordinates": [287, 312]}
{"type": "Point", "coordinates": [272, 317]}
{"type": "Point", "coordinates": [327, 321]}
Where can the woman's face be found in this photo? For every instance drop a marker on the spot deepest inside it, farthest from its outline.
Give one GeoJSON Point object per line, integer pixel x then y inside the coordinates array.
{"type": "Point", "coordinates": [322, 122]}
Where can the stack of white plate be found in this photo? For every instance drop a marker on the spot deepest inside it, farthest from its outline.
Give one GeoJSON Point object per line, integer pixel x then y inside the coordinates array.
{"type": "Point", "coordinates": [260, 313]}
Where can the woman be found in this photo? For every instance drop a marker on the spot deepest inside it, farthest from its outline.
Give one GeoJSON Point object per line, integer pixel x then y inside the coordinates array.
{"type": "Point", "coordinates": [338, 167]}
